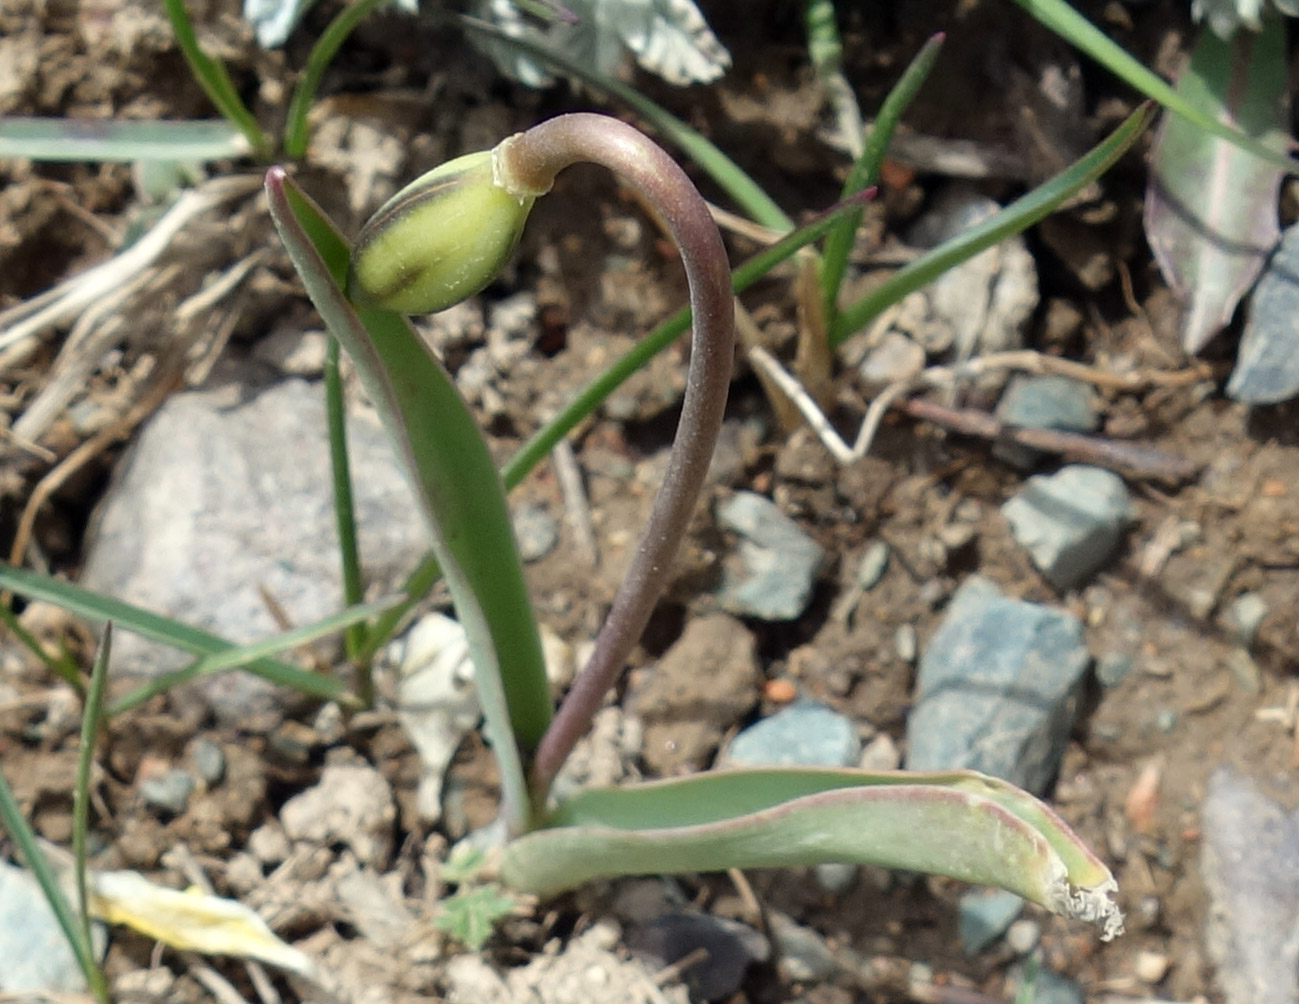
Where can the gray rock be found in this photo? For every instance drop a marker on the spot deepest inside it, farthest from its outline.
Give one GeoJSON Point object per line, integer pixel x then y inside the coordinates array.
{"type": "Point", "coordinates": [1113, 668]}
{"type": "Point", "coordinates": [34, 954]}
{"type": "Point", "coordinates": [774, 569]}
{"type": "Point", "coordinates": [803, 955]}
{"type": "Point", "coordinates": [225, 492]}
{"type": "Point", "coordinates": [730, 949]}
{"type": "Point", "coordinates": [209, 761]}
{"type": "Point", "coordinates": [1267, 366]}
{"type": "Point", "coordinates": [1250, 864]}
{"type": "Point", "coordinates": [1070, 522]}
{"type": "Point", "coordinates": [983, 916]}
{"type": "Point", "coordinates": [895, 359]}
{"type": "Point", "coordinates": [805, 734]}
{"type": "Point", "coordinates": [536, 531]}
{"type": "Point", "coordinates": [168, 792]}
{"type": "Point", "coordinates": [1245, 615]}
{"type": "Point", "coordinates": [997, 688]}
{"type": "Point", "coordinates": [1033, 401]}
{"type": "Point", "coordinates": [1049, 987]}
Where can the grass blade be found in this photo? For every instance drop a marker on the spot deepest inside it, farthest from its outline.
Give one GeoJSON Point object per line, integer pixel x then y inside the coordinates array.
{"type": "Point", "coordinates": [214, 79]}
{"type": "Point", "coordinates": [155, 627]}
{"type": "Point", "coordinates": [296, 132]}
{"type": "Point", "coordinates": [61, 665]}
{"type": "Point", "coordinates": [1066, 22]}
{"type": "Point", "coordinates": [245, 656]}
{"type": "Point", "coordinates": [90, 719]}
{"type": "Point", "coordinates": [866, 169]}
{"type": "Point", "coordinates": [118, 140]}
{"type": "Point", "coordinates": [1015, 218]}
{"type": "Point", "coordinates": [456, 483]}
{"type": "Point", "coordinates": [727, 174]}
{"type": "Point", "coordinates": [12, 819]}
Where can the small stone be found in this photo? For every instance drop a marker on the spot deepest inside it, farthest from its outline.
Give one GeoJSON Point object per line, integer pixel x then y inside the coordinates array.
{"type": "Point", "coordinates": [1166, 720]}
{"type": "Point", "coordinates": [1151, 967]}
{"type": "Point", "coordinates": [803, 956]}
{"type": "Point", "coordinates": [352, 805]}
{"type": "Point", "coordinates": [292, 352]}
{"type": "Point", "coordinates": [168, 792]}
{"type": "Point", "coordinates": [1245, 615]}
{"type": "Point", "coordinates": [997, 688]}
{"type": "Point", "coordinates": [805, 734]}
{"type": "Point", "coordinates": [35, 958]}
{"type": "Point", "coordinates": [729, 949]}
{"type": "Point", "coordinates": [1049, 987]}
{"type": "Point", "coordinates": [881, 754]}
{"type": "Point", "coordinates": [209, 761]}
{"type": "Point", "coordinates": [1113, 668]}
{"type": "Point", "coordinates": [984, 915]}
{"type": "Point", "coordinates": [1034, 401]}
{"type": "Point", "coordinates": [1070, 522]}
{"type": "Point", "coordinates": [536, 531]}
{"type": "Point", "coordinates": [1267, 366]}
{"type": "Point", "coordinates": [1023, 935]}
{"type": "Point", "coordinates": [905, 642]}
{"type": "Point", "coordinates": [773, 572]}
{"type": "Point", "coordinates": [874, 562]}
{"type": "Point", "coordinates": [835, 877]}
{"type": "Point", "coordinates": [269, 844]}
{"type": "Point", "coordinates": [896, 359]}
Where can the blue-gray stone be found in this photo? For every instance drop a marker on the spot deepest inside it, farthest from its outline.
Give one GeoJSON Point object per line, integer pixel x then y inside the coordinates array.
{"type": "Point", "coordinates": [168, 792]}
{"type": "Point", "coordinates": [1070, 522]}
{"type": "Point", "coordinates": [1036, 401]}
{"type": "Point", "coordinates": [805, 734]}
{"type": "Point", "coordinates": [1113, 668]}
{"type": "Point", "coordinates": [997, 688]}
{"type": "Point", "coordinates": [1049, 987]}
{"type": "Point", "coordinates": [1246, 615]}
{"type": "Point", "coordinates": [729, 949]}
{"type": "Point", "coordinates": [535, 530]}
{"type": "Point", "coordinates": [983, 916]}
{"type": "Point", "coordinates": [209, 761]}
{"type": "Point", "coordinates": [774, 570]}
{"type": "Point", "coordinates": [1267, 366]}
{"type": "Point", "coordinates": [34, 954]}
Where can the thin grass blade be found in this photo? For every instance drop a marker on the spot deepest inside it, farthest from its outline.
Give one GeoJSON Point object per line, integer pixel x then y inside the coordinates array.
{"type": "Point", "coordinates": [213, 77]}
{"type": "Point", "coordinates": [1211, 207]}
{"type": "Point", "coordinates": [1015, 218]}
{"type": "Point", "coordinates": [155, 627]}
{"type": "Point", "coordinates": [120, 140]}
{"type": "Point", "coordinates": [727, 174]}
{"type": "Point", "coordinates": [244, 656]}
{"type": "Point", "coordinates": [1066, 22]}
{"type": "Point", "coordinates": [91, 716]}
{"type": "Point", "coordinates": [456, 483]}
{"type": "Point", "coordinates": [959, 824]}
{"type": "Point", "coordinates": [349, 553]}
{"type": "Point", "coordinates": [866, 170]}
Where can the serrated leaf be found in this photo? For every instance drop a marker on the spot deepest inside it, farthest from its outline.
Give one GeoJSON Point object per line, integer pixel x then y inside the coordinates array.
{"type": "Point", "coordinates": [473, 912]}
{"type": "Point", "coordinates": [1211, 207]}
{"type": "Point", "coordinates": [959, 823]}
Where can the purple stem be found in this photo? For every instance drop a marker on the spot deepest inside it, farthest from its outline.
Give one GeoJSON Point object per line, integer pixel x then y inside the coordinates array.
{"type": "Point", "coordinates": [530, 161]}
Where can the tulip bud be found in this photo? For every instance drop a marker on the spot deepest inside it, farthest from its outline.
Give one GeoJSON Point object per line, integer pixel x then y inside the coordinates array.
{"type": "Point", "coordinates": [440, 239]}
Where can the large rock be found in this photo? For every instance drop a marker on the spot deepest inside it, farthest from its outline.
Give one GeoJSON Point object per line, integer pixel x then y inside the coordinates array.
{"type": "Point", "coordinates": [998, 688]}
{"type": "Point", "coordinates": [225, 493]}
{"type": "Point", "coordinates": [773, 571]}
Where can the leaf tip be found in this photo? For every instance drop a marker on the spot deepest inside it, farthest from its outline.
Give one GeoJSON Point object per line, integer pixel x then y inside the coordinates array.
{"type": "Point", "coordinates": [1095, 904]}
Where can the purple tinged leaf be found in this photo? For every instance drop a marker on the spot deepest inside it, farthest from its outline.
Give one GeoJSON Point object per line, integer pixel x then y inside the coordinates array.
{"type": "Point", "coordinates": [1211, 208]}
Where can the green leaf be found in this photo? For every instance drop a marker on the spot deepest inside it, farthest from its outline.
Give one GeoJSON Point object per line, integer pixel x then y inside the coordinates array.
{"type": "Point", "coordinates": [90, 719]}
{"type": "Point", "coordinates": [1066, 22]}
{"type": "Point", "coordinates": [456, 483]}
{"type": "Point", "coordinates": [155, 627]}
{"type": "Point", "coordinates": [471, 915]}
{"type": "Point", "coordinates": [1015, 218]}
{"type": "Point", "coordinates": [959, 824]}
{"type": "Point", "coordinates": [1211, 207]}
{"type": "Point", "coordinates": [120, 140]}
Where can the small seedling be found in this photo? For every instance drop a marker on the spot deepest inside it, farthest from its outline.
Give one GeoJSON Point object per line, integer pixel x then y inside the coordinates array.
{"type": "Point", "coordinates": [443, 238]}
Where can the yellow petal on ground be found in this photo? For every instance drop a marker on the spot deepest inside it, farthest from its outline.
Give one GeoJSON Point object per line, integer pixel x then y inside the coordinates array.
{"type": "Point", "coordinates": [192, 921]}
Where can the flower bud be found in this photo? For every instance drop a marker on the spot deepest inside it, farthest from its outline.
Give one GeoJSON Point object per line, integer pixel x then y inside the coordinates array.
{"type": "Point", "coordinates": [440, 239]}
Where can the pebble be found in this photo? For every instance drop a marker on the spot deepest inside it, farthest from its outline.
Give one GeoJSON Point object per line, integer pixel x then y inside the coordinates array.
{"type": "Point", "coordinates": [1245, 615]}
{"type": "Point", "coordinates": [1023, 935]}
{"type": "Point", "coordinates": [773, 571]}
{"type": "Point", "coordinates": [204, 514]}
{"type": "Point", "coordinates": [1034, 401]}
{"type": "Point", "coordinates": [352, 805]}
{"type": "Point", "coordinates": [1250, 865]}
{"type": "Point", "coordinates": [536, 531]}
{"type": "Point", "coordinates": [997, 688]}
{"type": "Point", "coordinates": [209, 761]}
{"type": "Point", "coordinates": [1049, 987]}
{"type": "Point", "coordinates": [881, 753]}
{"type": "Point", "coordinates": [1166, 720]}
{"type": "Point", "coordinates": [34, 955]}
{"type": "Point", "coordinates": [803, 955]}
{"type": "Point", "coordinates": [730, 948]}
{"type": "Point", "coordinates": [874, 562]}
{"type": "Point", "coordinates": [983, 916]}
{"type": "Point", "coordinates": [906, 643]}
{"type": "Point", "coordinates": [1113, 668]}
{"type": "Point", "coordinates": [805, 734]}
{"type": "Point", "coordinates": [704, 684]}
{"type": "Point", "coordinates": [168, 792]}
{"type": "Point", "coordinates": [895, 359]}
{"type": "Point", "coordinates": [1267, 366]}
{"type": "Point", "coordinates": [1151, 967]}
{"type": "Point", "coordinates": [1070, 522]}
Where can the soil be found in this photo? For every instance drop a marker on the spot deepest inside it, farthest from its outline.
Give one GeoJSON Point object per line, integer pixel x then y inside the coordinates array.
{"type": "Point", "coordinates": [399, 100]}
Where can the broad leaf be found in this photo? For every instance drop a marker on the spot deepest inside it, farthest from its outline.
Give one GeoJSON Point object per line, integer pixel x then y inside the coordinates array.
{"type": "Point", "coordinates": [455, 481]}
{"type": "Point", "coordinates": [960, 824]}
{"type": "Point", "coordinates": [1211, 207]}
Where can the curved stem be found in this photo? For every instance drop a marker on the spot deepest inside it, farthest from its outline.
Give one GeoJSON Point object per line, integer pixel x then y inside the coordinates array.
{"type": "Point", "coordinates": [527, 163]}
